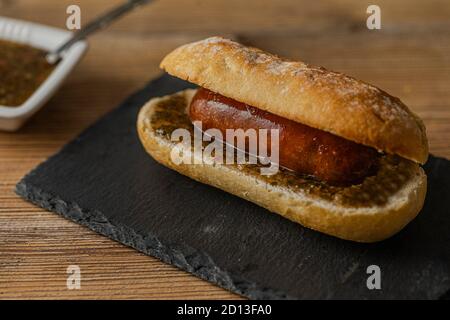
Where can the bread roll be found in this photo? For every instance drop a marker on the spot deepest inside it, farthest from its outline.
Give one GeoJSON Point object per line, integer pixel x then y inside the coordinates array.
{"type": "Point", "coordinates": [310, 95]}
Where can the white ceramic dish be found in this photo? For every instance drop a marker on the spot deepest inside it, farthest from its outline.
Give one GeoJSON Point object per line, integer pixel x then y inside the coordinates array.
{"type": "Point", "coordinates": [41, 37]}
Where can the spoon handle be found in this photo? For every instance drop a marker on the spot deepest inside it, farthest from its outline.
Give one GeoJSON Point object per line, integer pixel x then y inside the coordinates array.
{"type": "Point", "coordinates": [95, 25]}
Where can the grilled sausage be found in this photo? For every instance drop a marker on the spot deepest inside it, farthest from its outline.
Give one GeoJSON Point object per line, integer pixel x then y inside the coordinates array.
{"type": "Point", "coordinates": [302, 149]}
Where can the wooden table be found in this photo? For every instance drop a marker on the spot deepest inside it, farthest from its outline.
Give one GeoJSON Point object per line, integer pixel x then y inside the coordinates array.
{"type": "Point", "coordinates": [409, 57]}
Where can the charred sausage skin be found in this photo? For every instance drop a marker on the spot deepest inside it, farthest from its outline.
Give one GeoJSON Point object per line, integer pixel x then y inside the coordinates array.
{"type": "Point", "coordinates": [302, 149]}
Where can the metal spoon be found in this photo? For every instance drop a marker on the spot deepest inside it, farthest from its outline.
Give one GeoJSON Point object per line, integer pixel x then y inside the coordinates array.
{"type": "Point", "coordinates": [93, 26]}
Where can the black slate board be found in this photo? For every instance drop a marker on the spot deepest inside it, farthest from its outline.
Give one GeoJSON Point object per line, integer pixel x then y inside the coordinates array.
{"type": "Point", "coordinates": [105, 180]}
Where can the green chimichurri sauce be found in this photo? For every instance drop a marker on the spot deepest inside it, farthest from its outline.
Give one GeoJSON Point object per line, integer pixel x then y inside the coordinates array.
{"type": "Point", "coordinates": [22, 70]}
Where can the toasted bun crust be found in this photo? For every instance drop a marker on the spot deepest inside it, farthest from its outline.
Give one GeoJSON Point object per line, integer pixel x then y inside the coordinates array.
{"type": "Point", "coordinates": [363, 224]}
{"type": "Point", "coordinates": [310, 95]}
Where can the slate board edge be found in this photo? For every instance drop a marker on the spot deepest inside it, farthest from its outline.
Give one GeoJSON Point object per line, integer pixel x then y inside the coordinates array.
{"type": "Point", "coordinates": [197, 264]}
{"type": "Point", "coordinates": [194, 262]}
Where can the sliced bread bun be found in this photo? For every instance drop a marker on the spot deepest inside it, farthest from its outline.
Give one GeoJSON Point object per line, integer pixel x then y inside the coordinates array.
{"type": "Point", "coordinates": [375, 210]}
{"type": "Point", "coordinates": [314, 96]}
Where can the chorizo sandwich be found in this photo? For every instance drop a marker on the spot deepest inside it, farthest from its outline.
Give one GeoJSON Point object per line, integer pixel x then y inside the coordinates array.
{"type": "Point", "coordinates": [349, 154]}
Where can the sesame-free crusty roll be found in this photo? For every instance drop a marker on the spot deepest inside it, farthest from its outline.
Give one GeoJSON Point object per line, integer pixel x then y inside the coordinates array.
{"type": "Point", "coordinates": [332, 128]}
{"type": "Point", "coordinates": [314, 96]}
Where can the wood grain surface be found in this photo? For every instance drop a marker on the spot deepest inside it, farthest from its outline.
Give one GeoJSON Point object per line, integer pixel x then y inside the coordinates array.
{"type": "Point", "coordinates": [409, 57]}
